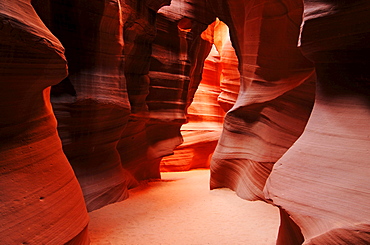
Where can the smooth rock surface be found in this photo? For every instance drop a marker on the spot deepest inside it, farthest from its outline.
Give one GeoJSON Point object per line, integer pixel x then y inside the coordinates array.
{"type": "Point", "coordinates": [91, 104]}
{"type": "Point", "coordinates": [165, 86]}
{"type": "Point", "coordinates": [40, 199]}
{"type": "Point", "coordinates": [204, 117]}
{"type": "Point", "coordinates": [322, 182]}
{"type": "Point", "coordinates": [275, 97]}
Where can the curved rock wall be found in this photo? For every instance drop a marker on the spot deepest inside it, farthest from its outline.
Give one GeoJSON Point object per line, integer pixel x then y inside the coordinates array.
{"type": "Point", "coordinates": [322, 182]}
{"type": "Point", "coordinates": [275, 97]}
{"type": "Point", "coordinates": [176, 61]}
{"type": "Point", "coordinates": [215, 92]}
{"type": "Point", "coordinates": [41, 201]}
{"type": "Point", "coordinates": [135, 67]}
{"type": "Point", "coordinates": [91, 104]}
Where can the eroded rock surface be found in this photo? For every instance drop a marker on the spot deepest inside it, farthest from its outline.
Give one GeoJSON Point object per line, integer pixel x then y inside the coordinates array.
{"type": "Point", "coordinates": [216, 92]}
{"type": "Point", "coordinates": [176, 62]}
{"type": "Point", "coordinates": [40, 199]}
{"type": "Point", "coordinates": [136, 76]}
{"type": "Point", "coordinates": [322, 182]}
{"type": "Point", "coordinates": [275, 97]}
{"type": "Point", "coordinates": [91, 104]}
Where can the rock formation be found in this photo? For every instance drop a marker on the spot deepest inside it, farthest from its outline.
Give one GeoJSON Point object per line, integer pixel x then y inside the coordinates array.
{"type": "Point", "coordinates": [41, 201]}
{"type": "Point", "coordinates": [136, 76]}
{"type": "Point", "coordinates": [275, 97]}
{"type": "Point", "coordinates": [91, 104]}
{"type": "Point", "coordinates": [322, 182]}
{"type": "Point", "coordinates": [121, 107]}
{"type": "Point", "coordinates": [176, 62]}
{"type": "Point", "coordinates": [204, 122]}
{"type": "Point", "coordinates": [216, 91]}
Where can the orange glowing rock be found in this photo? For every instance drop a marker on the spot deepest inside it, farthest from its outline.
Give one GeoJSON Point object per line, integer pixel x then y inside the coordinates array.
{"type": "Point", "coordinates": [204, 115]}
{"type": "Point", "coordinates": [41, 200]}
{"type": "Point", "coordinates": [91, 104]}
{"type": "Point", "coordinates": [275, 97]}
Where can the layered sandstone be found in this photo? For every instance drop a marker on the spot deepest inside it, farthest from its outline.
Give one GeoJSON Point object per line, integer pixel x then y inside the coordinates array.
{"type": "Point", "coordinates": [216, 92]}
{"type": "Point", "coordinates": [204, 122]}
{"type": "Point", "coordinates": [91, 104]}
{"type": "Point", "coordinates": [121, 108]}
{"type": "Point", "coordinates": [275, 97]}
{"type": "Point", "coordinates": [168, 84]}
{"type": "Point", "coordinates": [41, 201]}
{"type": "Point", "coordinates": [322, 182]}
{"type": "Point", "coordinates": [153, 129]}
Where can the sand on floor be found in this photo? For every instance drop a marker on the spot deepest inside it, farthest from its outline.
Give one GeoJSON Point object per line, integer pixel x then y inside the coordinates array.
{"type": "Point", "coordinates": [180, 209]}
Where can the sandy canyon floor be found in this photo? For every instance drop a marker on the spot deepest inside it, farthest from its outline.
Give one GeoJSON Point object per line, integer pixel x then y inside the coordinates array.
{"type": "Point", "coordinates": [181, 210]}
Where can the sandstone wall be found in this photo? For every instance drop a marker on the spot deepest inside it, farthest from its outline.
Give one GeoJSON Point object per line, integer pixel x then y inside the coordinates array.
{"type": "Point", "coordinates": [275, 97]}
{"type": "Point", "coordinates": [136, 67]}
{"type": "Point", "coordinates": [322, 182]}
{"type": "Point", "coordinates": [40, 198]}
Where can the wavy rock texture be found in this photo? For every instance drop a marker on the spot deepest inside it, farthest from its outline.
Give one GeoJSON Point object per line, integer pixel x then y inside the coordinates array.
{"type": "Point", "coordinates": [40, 199]}
{"type": "Point", "coordinates": [204, 122]}
{"type": "Point", "coordinates": [167, 84]}
{"type": "Point", "coordinates": [204, 115]}
{"type": "Point", "coordinates": [275, 98]}
{"type": "Point", "coordinates": [143, 143]}
{"type": "Point", "coordinates": [91, 104]}
{"type": "Point", "coordinates": [230, 76]}
{"type": "Point", "coordinates": [322, 182]}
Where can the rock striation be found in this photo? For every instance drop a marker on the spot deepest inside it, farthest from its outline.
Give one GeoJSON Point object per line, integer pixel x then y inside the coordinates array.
{"type": "Point", "coordinates": [275, 97]}
{"type": "Point", "coordinates": [322, 182]}
{"type": "Point", "coordinates": [176, 62]}
{"type": "Point", "coordinates": [139, 70]}
{"type": "Point", "coordinates": [41, 201]}
{"type": "Point", "coordinates": [91, 104]}
{"type": "Point", "coordinates": [215, 92]}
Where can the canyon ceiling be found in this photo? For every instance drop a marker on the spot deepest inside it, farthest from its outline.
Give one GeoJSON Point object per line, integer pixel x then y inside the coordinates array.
{"type": "Point", "coordinates": [93, 95]}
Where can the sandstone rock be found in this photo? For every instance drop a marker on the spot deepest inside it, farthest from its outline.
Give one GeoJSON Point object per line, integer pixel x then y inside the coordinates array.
{"type": "Point", "coordinates": [40, 199]}
{"type": "Point", "coordinates": [168, 84]}
{"type": "Point", "coordinates": [230, 77]}
{"type": "Point", "coordinates": [204, 115]}
{"type": "Point", "coordinates": [91, 104]}
{"type": "Point", "coordinates": [143, 143]}
{"type": "Point", "coordinates": [204, 122]}
{"type": "Point", "coordinates": [322, 182]}
{"type": "Point", "coordinates": [275, 97]}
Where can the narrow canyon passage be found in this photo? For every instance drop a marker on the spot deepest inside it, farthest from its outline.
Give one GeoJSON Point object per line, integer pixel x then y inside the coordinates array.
{"type": "Point", "coordinates": [180, 209]}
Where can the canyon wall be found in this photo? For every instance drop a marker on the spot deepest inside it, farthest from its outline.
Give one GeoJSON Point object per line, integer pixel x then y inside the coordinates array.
{"type": "Point", "coordinates": [275, 97]}
{"type": "Point", "coordinates": [91, 104]}
{"type": "Point", "coordinates": [216, 92]}
{"type": "Point", "coordinates": [121, 108]}
{"type": "Point", "coordinates": [317, 174]}
{"type": "Point", "coordinates": [135, 76]}
{"type": "Point", "coordinates": [160, 95]}
{"type": "Point", "coordinates": [40, 198]}
{"type": "Point", "coordinates": [322, 183]}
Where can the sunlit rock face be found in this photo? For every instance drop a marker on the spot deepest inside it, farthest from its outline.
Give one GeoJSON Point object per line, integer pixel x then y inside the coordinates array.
{"type": "Point", "coordinates": [204, 122]}
{"type": "Point", "coordinates": [168, 83]}
{"type": "Point", "coordinates": [275, 97]}
{"type": "Point", "coordinates": [91, 104]}
{"type": "Point", "coordinates": [41, 201]}
{"type": "Point", "coordinates": [322, 182]}
{"type": "Point", "coordinates": [205, 115]}
{"type": "Point", "coordinates": [230, 77]}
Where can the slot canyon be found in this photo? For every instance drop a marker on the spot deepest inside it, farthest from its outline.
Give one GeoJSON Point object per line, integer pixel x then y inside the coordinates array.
{"type": "Point", "coordinates": [108, 104]}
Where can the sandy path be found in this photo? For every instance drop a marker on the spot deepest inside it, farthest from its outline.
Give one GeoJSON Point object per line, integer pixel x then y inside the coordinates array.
{"type": "Point", "coordinates": [181, 210]}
